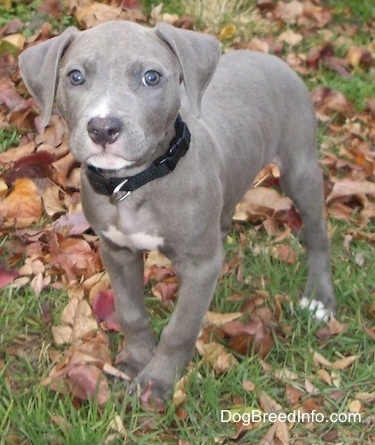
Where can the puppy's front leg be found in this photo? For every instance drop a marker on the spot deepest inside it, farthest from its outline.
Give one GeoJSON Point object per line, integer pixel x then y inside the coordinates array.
{"type": "Point", "coordinates": [198, 278]}
{"type": "Point", "coordinates": [125, 269]}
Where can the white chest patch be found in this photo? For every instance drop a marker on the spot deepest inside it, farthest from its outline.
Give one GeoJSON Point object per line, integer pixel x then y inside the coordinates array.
{"type": "Point", "coordinates": [134, 241]}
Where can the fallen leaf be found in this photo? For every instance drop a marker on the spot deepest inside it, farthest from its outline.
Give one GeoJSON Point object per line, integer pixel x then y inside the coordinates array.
{"type": "Point", "coordinates": [7, 276]}
{"type": "Point", "coordinates": [345, 362]}
{"type": "Point", "coordinates": [359, 56]}
{"type": "Point", "coordinates": [252, 337]}
{"type": "Point", "coordinates": [76, 321]}
{"type": "Point", "coordinates": [293, 394]}
{"type": "Point", "coordinates": [218, 319]}
{"type": "Point", "coordinates": [103, 306]}
{"type": "Point", "coordinates": [23, 206]}
{"type": "Point", "coordinates": [228, 32]}
{"type": "Point", "coordinates": [114, 372]}
{"type": "Point", "coordinates": [216, 355]}
{"type": "Point", "coordinates": [320, 360]}
{"type": "Point", "coordinates": [149, 403]}
{"type": "Point", "coordinates": [336, 327]}
{"type": "Point", "coordinates": [310, 388]}
{"type": "Point", "coordinates": [355, 406]}
{"type": "Point", "coordinates": [165, 291]}
{"type": "Point", "coordinates": [248, 385]}
{"type": "Point", "coordinates": [88, 382]}
{"type": "Point", "coordinates": [348, 187]}
{"type": "Point", "coordinates": [324, 376]}
{"type": "Point", "coordinates": [328, 101]}
{"type": "Point", "coordinates": [290, 37]}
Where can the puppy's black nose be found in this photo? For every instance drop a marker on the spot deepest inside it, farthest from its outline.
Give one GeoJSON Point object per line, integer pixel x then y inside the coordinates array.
{"type": "Point", "coordinates": [104, 130]}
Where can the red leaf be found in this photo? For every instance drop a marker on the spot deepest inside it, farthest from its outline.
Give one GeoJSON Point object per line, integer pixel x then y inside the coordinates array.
{"type": "Point", "coordinates": [37, 165]}
{"type": "Point", "coordinates": [150, 403]}
{"type": "Point", "coordinates": [7, 276]}
{"type": "Point", "coordinates": [103, 307]}
{"type": "Point", "coordinates": [10, 97]}
{"type": "Point", "coordinates": [131, 4]}
{"type": "Point", "coordinates": [88, 381]}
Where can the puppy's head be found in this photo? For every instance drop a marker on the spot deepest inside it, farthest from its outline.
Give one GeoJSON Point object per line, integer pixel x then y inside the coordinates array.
{"type": "Point", "coordinates": [118, 86]}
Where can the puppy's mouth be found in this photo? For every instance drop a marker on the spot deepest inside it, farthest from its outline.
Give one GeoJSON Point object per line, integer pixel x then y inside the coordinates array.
{"type": "Point", "coordinates": [108, 161]}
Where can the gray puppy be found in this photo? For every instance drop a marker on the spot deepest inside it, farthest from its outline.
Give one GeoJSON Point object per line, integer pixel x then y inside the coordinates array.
{"type": "Point", "coordinates": [170, 136]}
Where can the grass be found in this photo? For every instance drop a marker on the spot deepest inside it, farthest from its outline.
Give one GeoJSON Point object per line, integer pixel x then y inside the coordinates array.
{"type": "Point", "coordinates": [8, 138]}
{"type": "Point", "coordinates": [30, 414]}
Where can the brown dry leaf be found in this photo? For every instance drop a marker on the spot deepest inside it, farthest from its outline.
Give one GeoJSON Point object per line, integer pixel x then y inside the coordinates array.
{"type": "Point", "coordinates": [216, 355]}
{"type": "Point", "coordinates": [289, 12]}
{"type": "Point", "coordinates": [63, 169]}
{"type": "Point", "coordinates": [89, 14]}
{"type": "Point", "coordinates": [324, 376]}
{"type": "Point", "coordinates": [318, 359]}
{"type": "Point", "coordinates": [158, 16]}
{"type": "Point", "coordinates": [328, 101]}
{"type": "Point", "coordinates": [74, 256]}
{"type": "Point", "coordinates": [359, 55]}
{"type": "Point", "coordinates": [344, 362]}
{"type": "Point", "coordinates": [366, 397]}
{"type": "Point", "coordinates": [267, 404]}
{"type": "Point", "coordinates": [117, 425]}
{"type": "Point", "coordinates": [3, 187]}
{"type": "Point", "coordinates": [165, 291]}
{"type": "Point", "coordinates": [293, 394]}
{"type": "Point", "coordinates": [157, 259]}
{"type": "Point", "coordinates": [15, 153]}
{"type": "Point", "coordinates": [348, 187]}
{"type": "Point", "coordinates": [284, 253]}
{"type": "Point", "coordinates": [23, 206]}
{"type": "Point", "coordinates": [310, 388]}
{"type": "Point", "coordinates": [87, 382]}
{"type": "Point", "coordinates": [114, 372]}
{"type": "Point", "coordinates": [80, 370]}
{"type": "Point", "coordinates": [286, 375]}
{"type": "Point", "coordinates": [248, 385]}
{"type": "Point", "coordinates": [179, 395]}
{"type": "Point", "coordinates": [279, 429]}
{"type": "Point", "coordinates": [218, 319]}
{"type": "Point", "coordinates": [254, 44]}
{"type": "Point", "coordinates": [290, 37]}
{"type": "Point", "coordinates": [252, 337]}
{"type": "Point", "coordinates": [76, 321]}
{"type": "Point", "coordinates": [355, 406]}
{"type": "Point", "coordinates": [51, 200]}
{"type": "Point", "coordinates": [16, 40]}
{"type": "Point", "coordinates": [336, 327]}
{"type": "Point", "coordinates": [259, 203]}
{"type": "Point", "coordinates": [228, 32]}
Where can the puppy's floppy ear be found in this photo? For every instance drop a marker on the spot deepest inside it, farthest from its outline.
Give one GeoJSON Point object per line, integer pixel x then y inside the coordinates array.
{"type": "Point", "coordinates": [198, 55]}
{"type": "Point", "coordinates": [39, 69]}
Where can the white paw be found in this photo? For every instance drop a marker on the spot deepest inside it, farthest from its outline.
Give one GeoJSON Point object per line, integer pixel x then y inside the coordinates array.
{"type": "Point", "coordinates": [317, 308]}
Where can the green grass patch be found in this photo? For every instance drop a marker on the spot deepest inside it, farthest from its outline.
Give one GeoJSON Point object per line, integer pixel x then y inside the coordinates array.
{"type": "Point", "coordinates": [31, 414]}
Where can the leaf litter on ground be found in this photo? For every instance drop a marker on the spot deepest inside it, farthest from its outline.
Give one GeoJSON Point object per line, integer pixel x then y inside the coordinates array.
{"type": "Point", "coordinates": [40, 186]}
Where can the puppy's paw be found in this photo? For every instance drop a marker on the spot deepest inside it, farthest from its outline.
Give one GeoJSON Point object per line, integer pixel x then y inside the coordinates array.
{"type": "Point", "coordinates": [132, 364]}
{"type": "Point", "coordinates": [317, 308]}
{"type": "Point", "coordinates": [155, 383]}
{"type": "Point", "coordinates": [150, 387]}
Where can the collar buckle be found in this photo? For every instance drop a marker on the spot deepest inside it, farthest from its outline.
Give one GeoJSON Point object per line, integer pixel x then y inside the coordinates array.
{"type": "Point", "coordinates": [119, 189]}
{"type": "Point", "coordinates": [118, 194]}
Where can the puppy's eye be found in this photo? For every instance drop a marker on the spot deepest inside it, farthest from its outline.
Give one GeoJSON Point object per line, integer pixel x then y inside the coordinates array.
{"type": "Point", "coordinates": [151, 78]}
{"type": "Point", "coordinates": [76, 77]}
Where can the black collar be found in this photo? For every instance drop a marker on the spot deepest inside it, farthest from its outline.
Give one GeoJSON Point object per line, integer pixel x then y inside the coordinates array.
{"type": "Point", "coordinates": [121, 188]}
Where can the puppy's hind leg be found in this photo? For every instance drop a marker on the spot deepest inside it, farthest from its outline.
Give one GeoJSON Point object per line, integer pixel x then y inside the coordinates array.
{"type": "Point", "coordinates": [302, 181]}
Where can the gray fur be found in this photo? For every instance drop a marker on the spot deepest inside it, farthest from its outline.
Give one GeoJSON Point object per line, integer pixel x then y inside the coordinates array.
{"type": "Point", "coordinates": [244, 110]}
